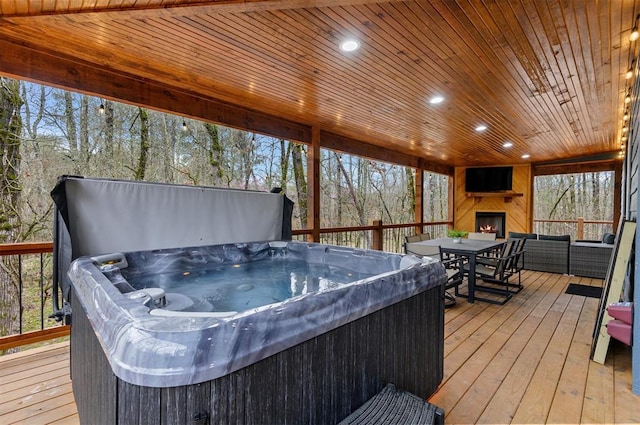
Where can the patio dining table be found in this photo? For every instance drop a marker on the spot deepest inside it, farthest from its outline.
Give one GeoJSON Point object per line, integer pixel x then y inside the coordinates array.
{"type": "Point", "coordinates": [469, 248]}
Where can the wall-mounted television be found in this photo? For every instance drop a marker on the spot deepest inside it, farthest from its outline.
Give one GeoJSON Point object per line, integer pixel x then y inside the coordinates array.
{"type": "Point", "coordinates": [488, 179]}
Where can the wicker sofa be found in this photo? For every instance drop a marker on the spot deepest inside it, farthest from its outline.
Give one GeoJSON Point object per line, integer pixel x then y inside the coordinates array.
{"type": "Point", "coordinates": [590, 258]}
{"type": "Point", "coordinates": [547, 255]}
{"type": "Point", "coordinates": [556, 254]}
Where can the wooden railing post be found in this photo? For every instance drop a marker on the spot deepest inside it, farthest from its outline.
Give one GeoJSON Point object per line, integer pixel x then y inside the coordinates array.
{"type": "Point", "coordinates": [418, 213]}
{"type": "Point", "coordinates": [580, 231]}
{"type": "Point", "coordinates": [377, 239]}
{"type": "Point", "coordinates": [313, 186]}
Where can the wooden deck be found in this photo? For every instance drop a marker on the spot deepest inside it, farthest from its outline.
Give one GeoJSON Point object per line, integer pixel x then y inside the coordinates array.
{"type": "Point", "coordinates": [524, 362]}
{"type": "Point", "coordinates": [528, 361]}
{"type": "Point", "coordinates": [35, 387]}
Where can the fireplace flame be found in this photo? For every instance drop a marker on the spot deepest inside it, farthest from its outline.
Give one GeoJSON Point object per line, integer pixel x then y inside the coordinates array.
{"type": "Point", "coordinates": [488, 229]}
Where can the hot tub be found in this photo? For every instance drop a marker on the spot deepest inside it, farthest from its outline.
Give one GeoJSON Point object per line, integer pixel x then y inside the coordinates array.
{"type": "Point", "coordinates": [181, 336]}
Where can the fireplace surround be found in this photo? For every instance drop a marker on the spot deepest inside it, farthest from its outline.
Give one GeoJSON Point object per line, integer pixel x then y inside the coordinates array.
{"type": "Point", "coordinates": [492, 222]}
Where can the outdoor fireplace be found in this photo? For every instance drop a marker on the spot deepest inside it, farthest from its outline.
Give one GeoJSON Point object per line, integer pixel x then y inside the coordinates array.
{"type": "Point", "coordinates": [491, 222]}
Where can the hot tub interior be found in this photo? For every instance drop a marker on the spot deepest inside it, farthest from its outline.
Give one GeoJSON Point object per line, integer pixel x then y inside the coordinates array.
{"type": "Point", "coordinates": [199, 280]}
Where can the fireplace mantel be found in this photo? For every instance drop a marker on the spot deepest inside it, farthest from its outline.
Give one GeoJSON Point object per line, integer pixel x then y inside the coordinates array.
{"type": "Point", "coordinates": [507, 195]}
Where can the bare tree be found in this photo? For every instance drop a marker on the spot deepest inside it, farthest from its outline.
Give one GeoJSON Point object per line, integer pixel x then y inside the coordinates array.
{"type": "Point", "coordinates": [411, 189]}
{"type": "Point", "coordinates": [299, 175]}
{"type": "Point", "coordinates": [84, 154]}
{"type": "Point", "coordinates": [70, 121]}
{"type": "Point", "coordinates": [10, 193]}
{"type": "Point", "coordinates": [167, 148]}
{"type": "Point", "coordinates": [144, 144]}
{"type": "Point", "coordinates": [215, 153]}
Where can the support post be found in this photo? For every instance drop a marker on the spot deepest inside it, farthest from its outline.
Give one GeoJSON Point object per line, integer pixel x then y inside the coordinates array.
{"type": "Point", "coordinates": [418, 211]}
{"type": "Point", "coordinates": [580, 230]}
{"type": "Point", "coordinates": [313, 186]}
{"type": "Point", "coordinates": [452, 204]}
{"type": "Point", "coordinates": [617, 192]}
{"type": "Point", "coordinates": [377, 240]}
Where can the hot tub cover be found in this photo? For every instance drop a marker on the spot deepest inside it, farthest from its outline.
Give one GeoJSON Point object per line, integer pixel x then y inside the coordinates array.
{"type": "Point", "coordinates": [98, 216]}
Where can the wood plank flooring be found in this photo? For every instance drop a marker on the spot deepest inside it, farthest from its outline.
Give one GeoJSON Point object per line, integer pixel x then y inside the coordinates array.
{"type": "Point", "coordinates": [35, 387]}
{"type": "Point", "coordinates": [524, 362]}
{"type": "Point", "coordinates": [528, 361]}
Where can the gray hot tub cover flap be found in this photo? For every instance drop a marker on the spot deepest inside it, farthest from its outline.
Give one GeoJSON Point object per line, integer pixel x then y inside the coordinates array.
{"type": "Point", "coordinates": [97, 216]}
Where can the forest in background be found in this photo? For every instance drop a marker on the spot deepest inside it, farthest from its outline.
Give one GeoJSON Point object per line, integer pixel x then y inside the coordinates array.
{"type": "Point", "coordinates": [47, 132]}
{"type": "Point", "coordinates": [67, 133]}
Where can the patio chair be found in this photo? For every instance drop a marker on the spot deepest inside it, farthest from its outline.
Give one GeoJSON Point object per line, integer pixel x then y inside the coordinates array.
{"type": "Point", "coordinates": [517, 263]}
{"type": "Point", "coordinates": [418, 237]}
{"type": "Point", "coordinates": [491, 258]}
{"type": "Point", "coordinates": [482, 236]}
{"type": "Point", "coordinates": [496, 272]}
{"type": "Point", "coordinates": [453, 268]}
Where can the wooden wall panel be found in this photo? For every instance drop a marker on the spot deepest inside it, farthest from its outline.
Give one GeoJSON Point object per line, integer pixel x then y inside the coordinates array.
{"type": "Point", "coordinates": [630, 209]}
{"type": "Point", "coordinates": [518, 210]}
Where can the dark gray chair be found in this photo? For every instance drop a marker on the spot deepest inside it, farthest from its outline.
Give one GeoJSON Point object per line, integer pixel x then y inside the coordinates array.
{"type": "Point", "coordinates": [495, 273]}
{"type": "Point", "coordinates": [452, 266]}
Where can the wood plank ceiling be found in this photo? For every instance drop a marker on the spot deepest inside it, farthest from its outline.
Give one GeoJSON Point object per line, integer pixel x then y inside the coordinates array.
{"type": "Point", "coordinates": [547, 76]}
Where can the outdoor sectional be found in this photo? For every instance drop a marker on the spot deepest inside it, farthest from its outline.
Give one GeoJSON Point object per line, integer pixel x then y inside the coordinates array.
{"type": "Point", "coordinates": [556, 254]}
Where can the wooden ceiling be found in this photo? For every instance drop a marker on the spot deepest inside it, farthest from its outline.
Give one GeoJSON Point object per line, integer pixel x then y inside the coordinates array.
{"type": "Point", "coordinates": [548, 76]}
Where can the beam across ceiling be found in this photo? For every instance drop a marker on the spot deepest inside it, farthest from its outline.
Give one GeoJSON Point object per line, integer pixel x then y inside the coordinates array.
{"type": "Point", "coordinates": [31, 8]}
{"type": "Point", "coordinates": [21, 62]}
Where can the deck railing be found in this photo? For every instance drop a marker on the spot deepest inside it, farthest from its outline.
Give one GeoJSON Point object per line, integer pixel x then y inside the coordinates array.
{"type": "Point", "coordinates": [35, 264]}
{"type": "Point", "coordinates": [33, 280]}
{"type": "Point", "coordinates": [379, 236]}
{"type": "Point", "coordinates": [579, 229]}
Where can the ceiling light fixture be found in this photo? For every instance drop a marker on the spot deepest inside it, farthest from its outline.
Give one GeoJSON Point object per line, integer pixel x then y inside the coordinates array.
{"type": "Point", "coordinates": [625, 117]}
{"type": "Point", "coordinates": [184, 125]}
{"type": "Point", "coordinates": [101, 108]}
{"type": "Point", "coordinates": [629, 73]}
{"type": "Point", "coordinates": [481, 128]}
{"type": "Point", "coordinates": [349, 45]}
{"type": "Point", "coordinates": [525, 156]}
{"type": "Point", "coordinates": [507, 144]}
{"type": "Point", "coordinates": [627, 98]}
{"type": "Point", "coordinates": [624, 129]}
{"type": "Point", "coordinates": [436, 99]}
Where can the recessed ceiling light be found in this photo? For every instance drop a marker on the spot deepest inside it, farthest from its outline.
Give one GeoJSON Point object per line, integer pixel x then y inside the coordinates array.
{"type": "Point", "coordinates": [507, 144]}
{"type": "Point", "coordinates": [525, 156]}
{"type": "Point", "coordinates": [436, 99]}
{"type": "Point", "coordinates": [349, 45]}
{"type": "Point", "coordinates": [481, 127]}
